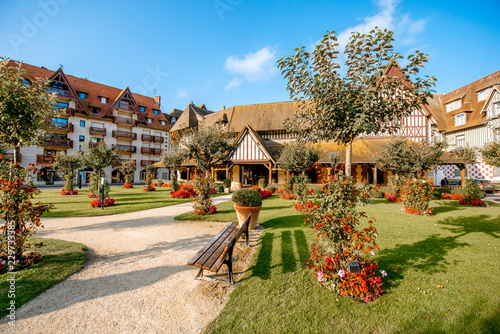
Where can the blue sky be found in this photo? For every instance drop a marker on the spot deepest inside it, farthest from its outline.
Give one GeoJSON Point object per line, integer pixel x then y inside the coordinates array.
{"type": "Point", "coordinates": [224, 52]}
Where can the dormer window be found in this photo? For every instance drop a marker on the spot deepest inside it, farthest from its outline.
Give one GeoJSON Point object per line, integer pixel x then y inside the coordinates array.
{"type": "Point", "coordinates": [103, 99]}
{"type": "Point", "coordinates": [453, 105]}
{"type": "Point", "coordinates": [163, 123]}
{"type": "Point", "coordinates": [143, 109]}
{"type": "Point", "coordinates": [173, 120]}
{"type": "Point", "coordinates": [460, 119]}
{"type": "Point", "coordinates": [94, 110]}
{"type": "Point", "coordinates": [483, 94]}
{"type": "Point", "coordinates": [150, 121]}
{"type": "Point", "coordinates": [82, 95]}
{"type": "Point", "coordinates": [157, 112]}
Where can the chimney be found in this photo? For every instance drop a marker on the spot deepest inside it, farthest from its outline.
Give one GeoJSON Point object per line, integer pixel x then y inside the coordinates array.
{"type": "Point", "coordinates": [191, 102]}
{"type": "Point", "coordinates": [158, 100]}
{"type": "Point", "coordinates": [223, 107]}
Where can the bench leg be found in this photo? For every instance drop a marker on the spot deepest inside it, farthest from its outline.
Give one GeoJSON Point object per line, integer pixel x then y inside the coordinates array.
{"type": "Point", "coordinates": [200, 274]}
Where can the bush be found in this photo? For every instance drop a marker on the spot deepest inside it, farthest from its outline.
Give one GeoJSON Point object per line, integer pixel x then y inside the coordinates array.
{"type": "Point", "coordinates": [68, 192]}
{"type": "Point", "coordinates": [97, 202]}
{"type": "Point", "coordinates": [219, 187]}
{"type": "Point", "coordinates": [262, 183]}
{"type": "Point", "coordinates": [148, 189]}
{"type": "Point", "coordinates": [265, 193]}
{"type": "Point", "coordinates": [204, 189]}
{"type": "Point", "coordinates": [377, 193]}
{"type": "Point", "coordinates": [471, 194]}
{"type": "Point", "coordinates": [127, 185]}
{"type": "Point", "coordinates": [246, 197]}
{"type": "Point", "coordinates": [301, 188]}
{"type": "Point", "coordinates": [160, 183]}
{"type": "Point", "coordinates": [316, 192]}
{"type": "Point", "coordinates": [272, 189]}
{"type": "Point", "coordinates": [416, 195]}
{"type": "Point", "coordinates": [227, 183]}
{"type": "Point", "coordinates": [182, 194]}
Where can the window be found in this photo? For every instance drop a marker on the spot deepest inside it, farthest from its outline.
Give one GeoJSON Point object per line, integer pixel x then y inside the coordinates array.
{"type": "Point", "coordinates": [82, 123]}
{"type": "Point", "coordinates": [59, 120]}
{"type": "Point", "coordinates": [496, 171]}
{"type": "Point", "coordinates": [461, 141]}
{"type": "Point", "coordinates": [495, 110]}
{"type": "Point", "coordinates": [94, 110]}
{"type": "Point", "coordinates": [25, 82]}
{"type": "Point", "coordinates": [82, 95]}
{"type": "Point", "coordinates": [157, 112]}
{"type": "Point", "coordinates": [104, 99]}
{"type": "Point", "coordinates": [173, 120]}
{"type": "Point", "coordinates": [163, 123]}
{"type": "Point", "coordinates": [81, 139]}
{"type": "Point", "coordinates": [150, 121]}
{"type": "Point", "coordinates": [483, 94]}
{"type": "Point", "coordinates": [454, 105]}
{"type": "Point", "coordinates": [143, 109]}
{"type": "Point", "coordinates": [459, 119]}
{"type": "Point", "coordinates": [457, 173]}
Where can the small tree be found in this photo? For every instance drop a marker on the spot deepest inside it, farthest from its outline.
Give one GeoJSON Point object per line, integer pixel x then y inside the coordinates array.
{"type": "Point", "coordinates": [297, 157]}
{"type": "Point", "coordinates": [66, 166]}
{"type": "Point", "coordinates": [208, 146]}
{"type": "Point", "coordinates": [491, 154]}
{"type": "Point", "coordinates": [467, 155]}
{"type": "Point", "coordinates": [98, 157]}
{"type": "Point", "coordinates": [150, 175]}
{"type": "Point", "coordinates": [366, 100]}
{"type": "Point", "coordinates": [127, 169]}
{"type": "Point", "coordinates": [173, 159]}
{"type": "Point", "coordinates": [408, 159]}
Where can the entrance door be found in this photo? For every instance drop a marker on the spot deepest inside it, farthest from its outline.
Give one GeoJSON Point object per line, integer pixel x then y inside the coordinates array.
{"type": "Point", "coordinates": [50, 177]}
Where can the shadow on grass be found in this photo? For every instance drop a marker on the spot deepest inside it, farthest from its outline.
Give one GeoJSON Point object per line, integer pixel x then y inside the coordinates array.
{"type": "Point", "coordinates": [302, 247]}
{"type": "Point", "coordinates": [446, 207]}
{"type": "Point", "coordinates": [262, 268]}
{"type": "Point", "coordinates": [287, 256]}
{"type": "Point", "coordinates": [476, 224]}
{"type": "Point", "coordinates": [426, 255]}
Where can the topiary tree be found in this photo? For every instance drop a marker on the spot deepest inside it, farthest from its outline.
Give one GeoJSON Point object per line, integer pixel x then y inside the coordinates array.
{"type": "Point", "coordinates": [150, 175]}
{"type": "Point", "coordinates": [66, 166]}
{"type": "Point", "coordinates": [173, 159]}
{"type": "Point", "coordinates": [98, 157]}
{"type": "Point", "coordinates": [491, 154]}
{"type": "Point", "coordinates": [365, 100]}
{"type": "Point", "coordinates": [127, 169]}
{"type": "Point", "coordinates": [208, 146]}
{"type": "Point", "coordinates": [297, 157]}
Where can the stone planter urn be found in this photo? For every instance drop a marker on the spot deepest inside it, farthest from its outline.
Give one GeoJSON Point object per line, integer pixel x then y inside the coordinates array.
{"type": "Point", "coordinates": [247, 202]}
{"type": "Point", "coordinates": [244, 211]}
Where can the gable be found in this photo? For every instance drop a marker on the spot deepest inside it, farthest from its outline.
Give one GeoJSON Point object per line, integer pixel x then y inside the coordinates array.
{"type": "Point", "coordinates": [60, 78]}
{"type": "Point", "coordinates": [125, 100]}
{"type": "Point", "coordinates": [250, 148]}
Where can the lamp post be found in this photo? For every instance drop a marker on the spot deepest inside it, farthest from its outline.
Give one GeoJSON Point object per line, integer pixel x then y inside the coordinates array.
{"type": "Point", "coordinates": [103, 182]}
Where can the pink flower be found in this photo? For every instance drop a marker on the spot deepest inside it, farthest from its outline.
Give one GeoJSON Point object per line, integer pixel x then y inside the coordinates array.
{"type": "Point", "coordinates": [321, 277]}
{"type": "Point", "coordinates": [372, 253]}
{"type": "Point", "coordinates": [342, 273]}
{"type": "Point", "coordinates": [383, 272]}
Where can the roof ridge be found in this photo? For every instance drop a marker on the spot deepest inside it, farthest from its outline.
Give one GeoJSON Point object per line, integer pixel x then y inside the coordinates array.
{"type": "Point", "coordinates": [473, 82]}
{"type": "Point", "coordinates": [257, 104]}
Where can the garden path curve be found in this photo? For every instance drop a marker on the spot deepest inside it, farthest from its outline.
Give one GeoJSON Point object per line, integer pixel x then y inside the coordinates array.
{"type": "Point", "coordinates": [135, 280]}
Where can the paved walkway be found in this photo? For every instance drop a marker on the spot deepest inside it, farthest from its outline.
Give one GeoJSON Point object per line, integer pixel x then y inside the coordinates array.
{"type": "Point", "coordinates": [135, 281]}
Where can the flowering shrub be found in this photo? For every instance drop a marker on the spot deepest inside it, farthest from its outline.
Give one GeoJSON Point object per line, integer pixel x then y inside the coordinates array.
{"type": "Point", "coordinates": [451, 196]}
{"type": "Point", "coordinates": [474, 202]}
{"type": "Point", "coordinates": [337, 240]}
{"type": "Point", "coordinates": [127, 185]}
{"type": "Point", "coordinates": [472, 194]}
{"type": "Point", "coordinates": [97, 202]}
{"type": "Point", "coordinates": [304, 207]}
{"type": "Point", "coordinates": [90, 195]}
{"type": "Point", "coordinates": [211, 211]}
{"type": "Point", "coordinates": [187, 187]}
{"type": "Point", "coordinates": [289, 196]}
{"type": "Point", "coordinates": [413, 211]}
{"type": "Point", "coordinates": [391, 198]}
{"type": "Point", "coordinates": [148, 189]}
{"type": "Point", "coordinates": [68, 192]}
{"type": "Point", "coordinates": [155, 185]}
{"type": "Point", "coordinates": [166, 185]}
{"type": "Point", "coordinates": [301, 191]}
{"type": "Point", "coordinates": [204, 186]}
{"type": "Point", "coordinates": [416, 195]}
{"type": "Point", "coordinates": [182, 194]}
{"type": "Point", "coordinates": [278, 191]}
{"type": "Point", "coordinates": [264, 193]}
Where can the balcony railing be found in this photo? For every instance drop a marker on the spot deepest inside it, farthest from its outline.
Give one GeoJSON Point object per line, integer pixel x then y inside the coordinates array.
{"type": "Point", "coordinates": [60, 126]}
{"type": "Point", "coordinates": [147, 138]}
{"type": "Point", "coordinates": [124, 106]}
{"type": "Point", "coordinates": [125, 121]}
{"type": "Point", "coordinates": [45, 159]}
{"type": "Point", "coordinates": [10, 157]}
{"type": "Point", "coordinates": [124, 134]}
{"type": "Point", "coordinates": [151, 150]}
{"type": "Point", "coordinates": [148, 162]}
{"type": "Point", "coordinates": [97, 131]}
{"type": "Point", "coordinates": [66, 110]}
{"type": "Point", "coordinates": [93, 144]}
{"type": "Point", "coordinates": [150, 138]}
{"type": "Point", "coordinates": [119, 162]}
{"type": "Point", "coordinates": [65, 143]}
{"type": "Point", "coordinates": [125, 148]}
{"type": "Point", "coordinates": [158, 139]}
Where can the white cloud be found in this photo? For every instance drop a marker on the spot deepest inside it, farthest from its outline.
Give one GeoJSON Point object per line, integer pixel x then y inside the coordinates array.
{"type": "Point", "coordinates": [254, 67]}
{"type": "Point", "coordinates": [182, 93]}
{"type": "Point", "coordinates": [235, 83]}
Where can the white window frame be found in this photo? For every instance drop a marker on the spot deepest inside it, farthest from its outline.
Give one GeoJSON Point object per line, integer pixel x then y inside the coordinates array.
{"type": "Point", "coordinates": [460, 119]}
{"type": "Point", "coordinates": [460, 141]}
{"type": "Point", "coordinates": [453, 105]}
{"type": "Point", "coordinates": [483, 94]}
{"type": "Point", "coordinates": [150, 120]}
{"type": "Point", "coordinates": [495, 109]}
{"type": "Point", "coordinates": [104, 100]}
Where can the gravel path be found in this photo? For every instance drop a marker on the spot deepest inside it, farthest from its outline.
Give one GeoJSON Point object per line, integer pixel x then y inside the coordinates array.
{"type": "Point", "coordinates": [136, 279]}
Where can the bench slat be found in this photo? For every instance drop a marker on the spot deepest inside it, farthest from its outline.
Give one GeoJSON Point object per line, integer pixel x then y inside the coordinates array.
{"type": "Point", "coordinates": [214, 245]}
{"type": "Point", "coordinates": [198, 255]}
{"type": "Point", "coordinates": [215, 261]}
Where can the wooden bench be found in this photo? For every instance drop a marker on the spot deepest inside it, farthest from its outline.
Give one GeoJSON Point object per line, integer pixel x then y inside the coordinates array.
{"type": "Point", "coordinates": [219, 251]}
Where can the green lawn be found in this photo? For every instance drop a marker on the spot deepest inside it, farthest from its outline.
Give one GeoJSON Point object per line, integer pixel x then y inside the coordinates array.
{"type": "Point", "coordinates": [458, 248]}
{"type": "Point", "coordinates": [126, 200]}
{"type": "Point", "coordinates": [61, 259]}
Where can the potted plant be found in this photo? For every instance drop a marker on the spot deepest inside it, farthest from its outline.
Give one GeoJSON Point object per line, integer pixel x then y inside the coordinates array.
{"type": "Point", "coordinates": [227, 185]}
{"type": "Point", "coordinates": [247, 202]}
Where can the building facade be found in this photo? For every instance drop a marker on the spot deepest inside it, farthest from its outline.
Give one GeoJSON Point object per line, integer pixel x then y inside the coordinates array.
{"type": "Point", "coordinates": [90, 112]}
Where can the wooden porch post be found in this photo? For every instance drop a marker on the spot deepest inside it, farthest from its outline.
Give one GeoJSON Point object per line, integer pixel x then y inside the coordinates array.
{"type": "Point", "coordinates": [270, 174]}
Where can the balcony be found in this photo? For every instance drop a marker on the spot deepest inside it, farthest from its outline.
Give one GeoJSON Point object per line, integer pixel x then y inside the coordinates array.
{"type": "Point", "coordinates": [124, 121]}
{"type": "Point", "coordinates": [124, 106]}
{"type": "Point", "coordinates": [155, 139]}
{"type": "Point", "coordinates": [10, 157]}
{"type": "Point", "coordinates": [148, 162]}
{"type": "Point", "coordinates": [93, 144]}
{"type": "Point", "coordinates": [124, 134]}
{"type": "Point", "coordinates": [150, 150]}
{"type": "Point", "coordinates": [45, 159]}
{"type": "Point", "coordinates": [64, 110]}
{"type": "Point", "coordinates": [60, 92]}
{"type": "Point", "coordinates": [125, 148]}
{"type": "Point", "coordinates": [119, 162]}
{"type": "Point", "coordinates": [97, 131]}
{"type": "Point", "coordinates": [60, 126]}
{"type": "Point", "coordinates": [61, 143]}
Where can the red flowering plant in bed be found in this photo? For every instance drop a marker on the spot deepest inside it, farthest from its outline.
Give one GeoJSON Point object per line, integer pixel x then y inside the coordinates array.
{"type": "Point", "coordinates": [338, 240]}
{"type": "Point", "coordinates": [68, 192]}
{"type": "Point", "coordinates": [264, 193]}
{"type": "Point", "coordinates": [148, 189]}
{"type": "Point", "coordinates": [185, 191]}
{"type": "Point", "coordinates": [416, 195]}
{"type": "Point", "coordinates": [126, 185]}
{"type": "Point", "coordinates": [97, 202]}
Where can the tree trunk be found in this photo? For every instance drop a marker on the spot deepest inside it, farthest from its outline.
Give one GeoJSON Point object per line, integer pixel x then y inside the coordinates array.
{"type": "Point", "coordinates": [17, 154]}
{"type": "Point", "coordinates": [348, 159]}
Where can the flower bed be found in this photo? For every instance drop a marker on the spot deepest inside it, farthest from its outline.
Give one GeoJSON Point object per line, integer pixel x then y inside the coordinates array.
{"type": "Point", "coordinates": [148, 189]}
{"type": "Point", "coordinates": [69, 192]}
{"type": "Point", "coordinates": [211, 211]}
{"type": "Point", "coordinates": [166, 185]}
{"type": "Point", "coordinates": [127, 186]}
{"type": "Point", "coordinates": [264, 193]}
{"type": "Point", "coordinates": [107, 202]}
{"type": "Point", "coordinates": [391, 198]}
{"type": "Point", "coordinates": [304, 208]}
{"type": "Point", "coordinates": [289, 196]}
{"type": "Point", "coordinates": [155, 184]}
{"type": "Point", "coordinates": [182, 194]}
{"type": "Point", "coordinates": [413, 211]}
{"type": "Point", "coordinates": [90, 195]}
{"type": "Point", "coordinates": [473, 202]}
{"type": "Point", "coordinates": [451, 196]}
